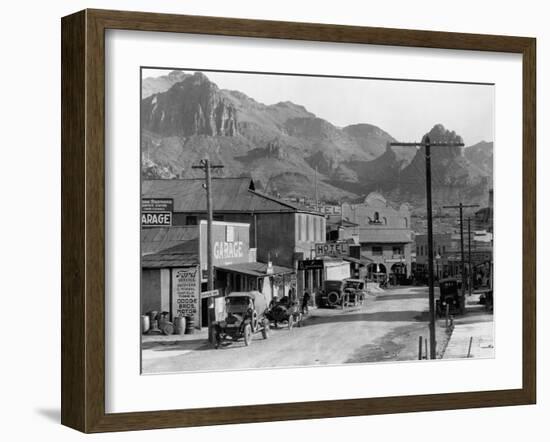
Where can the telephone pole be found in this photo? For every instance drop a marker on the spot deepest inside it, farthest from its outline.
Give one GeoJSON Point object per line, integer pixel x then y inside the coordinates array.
{"type": "Point", "coordinates": [471, 276]}
{"type": "Point", "coordinates": [460, 208]}
{"type": "Point", "coordinates": [207, 167]}
{"type": "Point", "coordinates": [428, 144]}
{"type": "Point", "coordinates": [316, 196]}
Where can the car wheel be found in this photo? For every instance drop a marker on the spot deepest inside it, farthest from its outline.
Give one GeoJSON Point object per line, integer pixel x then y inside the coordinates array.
{"type": "Point", "coordinates": [247, 334]}
{"type": "Point", "coordinates": [332, 298]}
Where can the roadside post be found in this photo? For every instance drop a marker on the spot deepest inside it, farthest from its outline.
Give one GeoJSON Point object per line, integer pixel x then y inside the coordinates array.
{"type": "Point", "coordinates": [207, 167]}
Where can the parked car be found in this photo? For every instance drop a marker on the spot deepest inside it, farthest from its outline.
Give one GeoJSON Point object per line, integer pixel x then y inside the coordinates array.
{"type": "Point", "coordinates": [355, 290]}
{"type": "Point", "coordinates": [450, 294]}
{"type": "Point", "coordinates": [486, 299]}
{"type": "Point", "coordinates": [341, 293]}
{"type": "Point", "coordinates": [244, 317]}
{"type": "Point", "coordinates": [285, 310]}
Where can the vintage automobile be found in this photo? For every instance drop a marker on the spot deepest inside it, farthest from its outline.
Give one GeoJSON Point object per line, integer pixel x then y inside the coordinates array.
{"type": "Point", "coordinates": [486, 299]}
{"type": "Point", "coordinates": [330, 294]}
{"type": "Point", "coordinates": [244, 316]}
{"type": "Point", "coordinates": [285, 310]}
{"type": "Point", "coordinates": [356, 292]}
{"type": "Point", "coordinates": [450, 294]}
{"type": "Point", "coordinates": [341, 293]}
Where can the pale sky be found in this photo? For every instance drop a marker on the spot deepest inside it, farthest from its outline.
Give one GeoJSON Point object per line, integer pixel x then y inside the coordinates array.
{"type": "Point", "coordinates": [404, 109]}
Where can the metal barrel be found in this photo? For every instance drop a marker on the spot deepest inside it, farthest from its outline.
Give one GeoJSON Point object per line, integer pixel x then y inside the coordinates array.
{"type": "Point", "coordinates": [189, 325]}
{"type": "Point", "coordinates": [145, 324]}
{"type": "Point", "coordinates": [179, 324]}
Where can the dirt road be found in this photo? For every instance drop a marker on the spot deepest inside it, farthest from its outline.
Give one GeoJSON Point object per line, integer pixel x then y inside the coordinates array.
{"type": "Point", "coordinates": [386, 328]}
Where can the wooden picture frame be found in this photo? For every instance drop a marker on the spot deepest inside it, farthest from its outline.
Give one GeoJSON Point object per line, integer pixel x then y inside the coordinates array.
{"type": "Point", "coordinates": [83, 220]}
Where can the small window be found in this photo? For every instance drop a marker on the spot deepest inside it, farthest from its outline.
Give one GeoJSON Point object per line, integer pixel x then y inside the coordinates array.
{"type": "Point", "coordinates": [191, 220]}
{"type": "Point", "coordinates": [377, 250]}
{"type": "Point", "coordinates": [397, 250]}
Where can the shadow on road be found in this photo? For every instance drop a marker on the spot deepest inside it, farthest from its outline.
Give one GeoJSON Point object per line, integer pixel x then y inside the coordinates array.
{"type": "Point", "coordinates": [398, 297]}
{"type": "Point", "coordinates": [188, 344]}
{"type": "Point", "coordinates": [393, 316]}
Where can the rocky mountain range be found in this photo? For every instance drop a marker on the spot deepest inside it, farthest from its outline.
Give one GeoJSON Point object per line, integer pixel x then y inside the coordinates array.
{"type": "Point", "coordinates": [291, 152]}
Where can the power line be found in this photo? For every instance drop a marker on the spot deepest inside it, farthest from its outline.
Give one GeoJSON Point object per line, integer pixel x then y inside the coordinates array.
{"type": "Point", "coordinates": [460, 207]}
{"type": "Point", "coordinates": [427, 144]}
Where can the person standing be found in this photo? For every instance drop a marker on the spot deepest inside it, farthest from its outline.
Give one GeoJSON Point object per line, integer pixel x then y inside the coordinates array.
{"type": "Point", "coordinates": [305, 303]}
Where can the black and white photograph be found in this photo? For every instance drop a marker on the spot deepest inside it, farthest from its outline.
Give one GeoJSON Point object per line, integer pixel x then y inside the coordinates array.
{"type": "Point", "coordinates": [292, 220]}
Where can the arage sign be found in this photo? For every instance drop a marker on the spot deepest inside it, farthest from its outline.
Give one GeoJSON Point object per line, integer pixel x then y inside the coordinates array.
{"type": "Point", "coordinates": [156, 212]}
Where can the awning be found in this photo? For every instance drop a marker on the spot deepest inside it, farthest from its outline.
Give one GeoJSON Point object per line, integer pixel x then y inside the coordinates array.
{"type": "Point", "coordinates": [257, 269]}
{"type": "Point", "coordinates": [355, 260]}
{"type": "Point", "coordinates": [366, 259]}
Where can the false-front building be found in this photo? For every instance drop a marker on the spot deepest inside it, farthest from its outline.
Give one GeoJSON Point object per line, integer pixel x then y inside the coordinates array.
{"type": "Point", "coordinates": [384, 234]}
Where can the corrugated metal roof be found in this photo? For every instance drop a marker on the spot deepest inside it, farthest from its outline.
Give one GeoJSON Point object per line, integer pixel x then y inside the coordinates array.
{"type": "Point", "coordinates": [155, 239]}
{"type": "Point", "coordinates": [255, 269]}
{"type": "Point", "coordinates": [384, 236]}
{"type": "Point", "coordinates": [166, 260]}
{"type": "Point", "coordinates": [228, 195]}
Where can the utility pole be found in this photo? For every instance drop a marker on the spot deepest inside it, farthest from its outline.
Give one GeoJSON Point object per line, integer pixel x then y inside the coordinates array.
{"type": "Point", "coordinates": [427, 144]}
{"type": "Point", "coordinates": [460, 208]}
{"type": "Point", "coordinates": [316, 196]}
{"type": "Point", "coordinates": [207, 167]}
{"type": "Point", "coordinates": [471, 276]}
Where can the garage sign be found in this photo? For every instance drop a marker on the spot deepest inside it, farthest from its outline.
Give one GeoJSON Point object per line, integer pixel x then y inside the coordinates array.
{"type": "Point", "coordinates": [156, 212]}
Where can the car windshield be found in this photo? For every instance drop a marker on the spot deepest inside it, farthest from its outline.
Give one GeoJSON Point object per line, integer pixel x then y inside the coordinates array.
{"type": "Point", "coordinates": [449, 287]}
{"type": "Point", "coordinates": [237, 304]}
{"type": "Point", "coordinates": [333, 285]}
{"type": "Point", "coordinates": [237, 300]}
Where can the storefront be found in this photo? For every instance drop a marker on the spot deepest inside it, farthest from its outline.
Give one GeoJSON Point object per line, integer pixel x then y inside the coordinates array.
{"type": "Point", "coordinates": [358, 268]}
{"type": "Point", "coordinates": [174, 263]}
{"type": "Point", "coordinates": [313, 272]}
{"type": "Point", "coordinates": [268, 279]}
{"type": "Point", "coordinates": [171, 283]}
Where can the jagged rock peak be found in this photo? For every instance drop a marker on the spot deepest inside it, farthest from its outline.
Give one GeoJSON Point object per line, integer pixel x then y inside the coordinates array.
{"type": "Point", "coordinates": [193, 106]}
{"type": "Point", "coordinates": [440, 134]}
{"type": "Point", "coordinates": [177, 75]}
